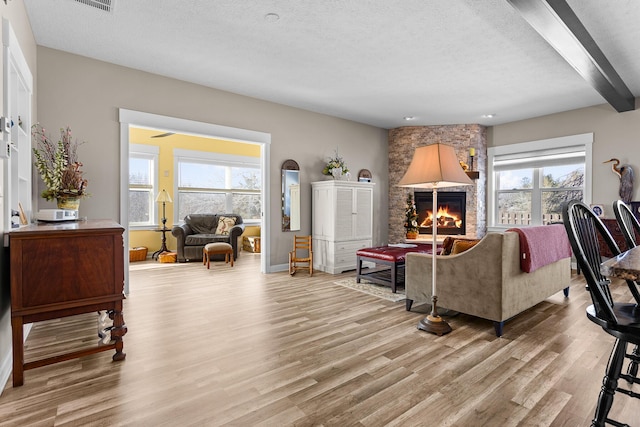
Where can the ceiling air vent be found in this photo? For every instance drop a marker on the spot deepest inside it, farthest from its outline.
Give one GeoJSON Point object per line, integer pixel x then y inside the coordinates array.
{"type": "Point", "coordinates": [105, 5]}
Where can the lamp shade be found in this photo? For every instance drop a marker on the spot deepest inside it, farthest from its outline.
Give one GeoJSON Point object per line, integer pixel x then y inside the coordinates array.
{"type": "Point", "coordinates": [163, 196]}
{"type": "Point", "coordinates": [435, 166]}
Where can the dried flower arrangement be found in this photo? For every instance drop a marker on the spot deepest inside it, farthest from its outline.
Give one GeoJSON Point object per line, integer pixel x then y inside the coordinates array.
{"type": "Point", "coordinates": [58, 164]}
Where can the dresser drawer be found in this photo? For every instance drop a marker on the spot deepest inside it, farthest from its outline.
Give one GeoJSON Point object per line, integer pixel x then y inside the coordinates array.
{"type": "Point", "coordinates": [351, 246]}
{"type": "Point", "coordinates": [345, 252]}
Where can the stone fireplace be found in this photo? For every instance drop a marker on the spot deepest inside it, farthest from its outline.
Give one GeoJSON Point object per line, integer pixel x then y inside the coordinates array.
{"type": "Point", "coordinates": [452, 207]}
{"type": "Point", "coordinates": [402, 143]}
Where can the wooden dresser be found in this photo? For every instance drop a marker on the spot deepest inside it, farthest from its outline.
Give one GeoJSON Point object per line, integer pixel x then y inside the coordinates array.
{"type": "Point", "coordinates": [63, 269]}
{"type": "Point", "coordinates": [616, 233]}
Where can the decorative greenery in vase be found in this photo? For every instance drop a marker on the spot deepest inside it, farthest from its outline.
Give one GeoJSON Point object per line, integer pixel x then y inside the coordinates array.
{"type": "Point", "coordinates": [58, 165]}
{"type": "Point", "coordinates": [411, 218]}
{"type": "Point", "coordinates": [335, 167]}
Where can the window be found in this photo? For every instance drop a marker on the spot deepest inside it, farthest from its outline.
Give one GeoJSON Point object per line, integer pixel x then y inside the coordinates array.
{"type": "Point", "coordinates": [143, 162]}
{"type": "Point", "coordinates": [529, 182]}
{"type": "Point", "coordinates": [218, 183]}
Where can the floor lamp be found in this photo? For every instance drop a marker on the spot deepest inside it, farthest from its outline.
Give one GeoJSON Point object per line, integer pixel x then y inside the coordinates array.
{"type": "Point", "coordinates": [164, 198]}
{"type": "Point", "coordinates": [434, 166]}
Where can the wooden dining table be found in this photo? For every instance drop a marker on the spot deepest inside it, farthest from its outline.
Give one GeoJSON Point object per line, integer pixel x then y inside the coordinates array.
{"type": "Point", "coordinates": [623, 266]}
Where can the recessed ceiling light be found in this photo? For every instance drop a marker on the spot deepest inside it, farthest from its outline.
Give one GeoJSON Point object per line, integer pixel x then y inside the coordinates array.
{"type": "Point", "coordinates": [489, 116]}
{"type": "Point", "coordinates": [271, 17]}
{"type": "Point", "coordinates": [409, 118]}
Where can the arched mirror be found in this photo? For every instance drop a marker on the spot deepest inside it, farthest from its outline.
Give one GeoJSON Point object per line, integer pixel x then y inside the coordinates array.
{"type": "Point", "coordinates": [290, 196]}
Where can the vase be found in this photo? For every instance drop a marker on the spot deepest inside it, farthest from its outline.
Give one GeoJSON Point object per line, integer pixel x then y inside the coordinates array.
{"type": "Point", "coordinates": [69, 203]}
{"type": "Point", "coordinates": [336, 173]}
{"type": "Point", "coordinates": [412, 234]}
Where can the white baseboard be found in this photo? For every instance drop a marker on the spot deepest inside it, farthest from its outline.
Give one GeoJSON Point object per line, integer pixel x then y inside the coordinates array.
{"type": "Point", "coordinates": [279, 267]}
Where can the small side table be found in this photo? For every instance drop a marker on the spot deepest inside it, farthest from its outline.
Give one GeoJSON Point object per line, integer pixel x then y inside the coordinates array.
{"type": "Point", "coordinates": [163, 248]}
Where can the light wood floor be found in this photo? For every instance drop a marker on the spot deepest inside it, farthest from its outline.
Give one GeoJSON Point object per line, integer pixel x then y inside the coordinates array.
{"type": "Point", "coordinates": [229, 346]}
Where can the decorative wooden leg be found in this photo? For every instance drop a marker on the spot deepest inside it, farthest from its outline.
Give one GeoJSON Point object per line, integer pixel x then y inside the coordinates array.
{"type": "Point", "coordinates": [498, 326]}
{"type": "Point", "coordinates": [609, 383]}
{"type": "Point", "coordinates": [566, 292]}
{"type": "Point", "coordinates": [18, 351]}
{"type": "Point", "coordinates": [118, 331]}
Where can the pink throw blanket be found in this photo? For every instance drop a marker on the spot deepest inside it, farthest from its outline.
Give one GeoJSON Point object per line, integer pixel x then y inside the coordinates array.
{"type": "Point", "coordinates": [543, 245]}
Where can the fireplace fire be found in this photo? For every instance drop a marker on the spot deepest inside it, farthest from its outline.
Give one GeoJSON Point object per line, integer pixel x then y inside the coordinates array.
{"type": "Point", "coordinates": [451, 212]}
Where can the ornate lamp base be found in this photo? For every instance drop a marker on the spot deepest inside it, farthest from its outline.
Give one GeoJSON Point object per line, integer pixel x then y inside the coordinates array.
{"type": "Point", "coordinates": [434, 323]}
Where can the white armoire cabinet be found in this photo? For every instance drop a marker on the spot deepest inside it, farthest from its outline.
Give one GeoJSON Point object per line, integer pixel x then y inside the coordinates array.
{"type": "Point", "coordinates": [342, 223]}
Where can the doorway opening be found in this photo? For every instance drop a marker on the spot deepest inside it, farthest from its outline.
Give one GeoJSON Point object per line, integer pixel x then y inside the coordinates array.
{"type": "Point", "coordinates": [165, 128]}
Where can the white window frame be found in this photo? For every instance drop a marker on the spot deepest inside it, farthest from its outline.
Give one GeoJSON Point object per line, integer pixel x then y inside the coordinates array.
{"type": "Point", "coordinates": [152, 153]}
{"type": "Point", "coordinates": [553, 144]}
{"type": "Point", "coordinates": [218, 159]}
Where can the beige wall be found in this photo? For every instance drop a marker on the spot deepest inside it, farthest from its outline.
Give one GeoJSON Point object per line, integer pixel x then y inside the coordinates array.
{"type": "Point", "coordinates": [614, 134]}
{"type": "Point", "coordinates": [15, 13]}
{"type": "Point", "coordinates": [86, 94]}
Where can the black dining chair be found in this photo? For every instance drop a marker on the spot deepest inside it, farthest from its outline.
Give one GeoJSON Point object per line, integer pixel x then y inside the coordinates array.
{"type": "Point", "coordinates": [627, 222]}
{"type": "Point", "coordinates": [619, 319]}
{"type": "Point", "coordinates": [630, 228]}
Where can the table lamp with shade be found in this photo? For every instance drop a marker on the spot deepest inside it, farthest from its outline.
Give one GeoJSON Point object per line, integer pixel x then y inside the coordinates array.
{"type": "Point", "coordinates": [433, 167]}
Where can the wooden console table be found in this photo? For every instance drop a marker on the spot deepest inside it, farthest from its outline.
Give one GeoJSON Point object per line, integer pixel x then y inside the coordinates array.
{"type": "Point", "coordinates": [63, 269]}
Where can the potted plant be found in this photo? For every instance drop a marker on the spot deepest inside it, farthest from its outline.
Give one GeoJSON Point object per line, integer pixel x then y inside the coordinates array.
{"type": "Point", "coordinates": [411, 218]}
{"type": "Point", "coordinates": [59, 167]}
{"type": "Point", "coordinates": [335, 167]}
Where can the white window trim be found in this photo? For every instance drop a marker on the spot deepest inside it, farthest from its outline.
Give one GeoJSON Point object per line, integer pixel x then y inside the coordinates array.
{"type": "Point", "coordinates": [153, 152]}
{"type": "Point", "coordinates": [585, 139]}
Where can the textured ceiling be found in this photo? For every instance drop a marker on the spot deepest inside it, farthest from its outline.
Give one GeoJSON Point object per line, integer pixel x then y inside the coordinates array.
{"type": "Point", "coordinates": [372, 61]}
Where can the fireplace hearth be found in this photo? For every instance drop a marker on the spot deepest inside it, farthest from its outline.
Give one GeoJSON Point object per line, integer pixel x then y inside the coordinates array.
{"type": "Point", "coordinates": [451, 212]}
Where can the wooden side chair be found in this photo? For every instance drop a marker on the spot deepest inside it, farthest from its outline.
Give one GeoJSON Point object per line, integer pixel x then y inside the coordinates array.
{"type": "Point", "coordinates": [619, 319]}
{"type": "Point", "coordinates": [302, 253]}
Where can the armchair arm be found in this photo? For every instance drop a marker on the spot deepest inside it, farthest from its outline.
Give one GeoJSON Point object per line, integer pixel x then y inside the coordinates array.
{"type": "Point", "coordinates": [234, 234]}
{"type": "Point", "coordinates": [470, 282]}
{"type": "Point", "coordinates": [180, 232]}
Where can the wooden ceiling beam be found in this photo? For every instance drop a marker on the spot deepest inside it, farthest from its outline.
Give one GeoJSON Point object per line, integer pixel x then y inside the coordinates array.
{"type": "Point", "coordinates": [556, 22]}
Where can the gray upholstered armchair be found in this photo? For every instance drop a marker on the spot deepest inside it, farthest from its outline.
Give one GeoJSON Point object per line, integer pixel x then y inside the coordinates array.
{"type": "Point", "coordinates": [200, 229]}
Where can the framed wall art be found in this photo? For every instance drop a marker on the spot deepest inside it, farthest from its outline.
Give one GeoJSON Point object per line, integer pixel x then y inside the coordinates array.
{"type": "Point", "coordinates": [598, 210]}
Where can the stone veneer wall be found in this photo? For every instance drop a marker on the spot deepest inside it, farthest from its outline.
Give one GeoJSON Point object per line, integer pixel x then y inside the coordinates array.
{"type": "Point", "coordinates": [402, 143]}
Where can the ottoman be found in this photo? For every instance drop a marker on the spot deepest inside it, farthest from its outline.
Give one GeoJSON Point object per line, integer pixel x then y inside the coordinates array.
{"type": "Point", "coordinates": [392, 256]}
{"type": "Point", "coordinates": [211, 249]}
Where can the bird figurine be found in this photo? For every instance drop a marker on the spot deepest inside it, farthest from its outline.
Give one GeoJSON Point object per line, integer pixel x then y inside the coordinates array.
{"type": "Point", "coordinates": [625, 173]}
